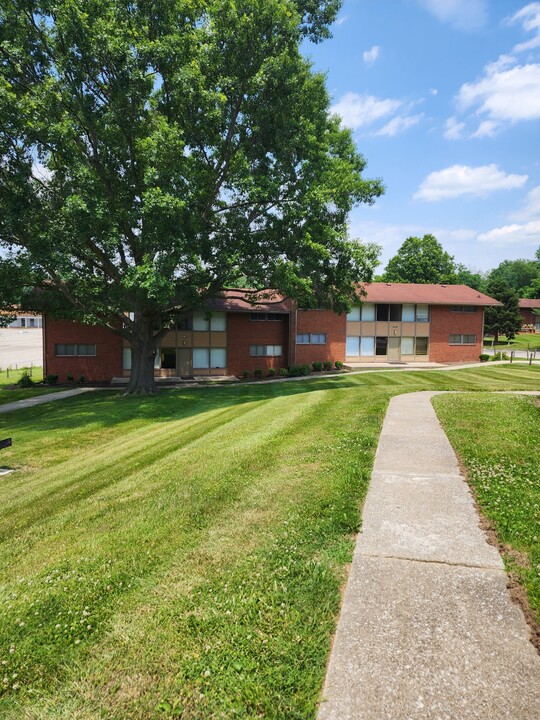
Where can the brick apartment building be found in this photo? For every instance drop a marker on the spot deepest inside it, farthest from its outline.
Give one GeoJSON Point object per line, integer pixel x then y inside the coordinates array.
{"type": "Point", "coordinates": [395, 323]}
{"type": "Point", "coordinates": [530, 321]}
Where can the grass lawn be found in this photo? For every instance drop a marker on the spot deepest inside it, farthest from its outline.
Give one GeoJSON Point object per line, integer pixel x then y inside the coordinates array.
{"type": "Point", "coordinates": [182, 556]}
{"type": "Point", "coordinates": [523, 341]}
{"type": "Point", "coordinates": [497, 440]}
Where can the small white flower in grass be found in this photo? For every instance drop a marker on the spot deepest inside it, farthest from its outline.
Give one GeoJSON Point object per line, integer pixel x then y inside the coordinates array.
{"type": "Point", "coordinates": [207, 673]}
{"type": "Point", "coordinates": [77, 642]}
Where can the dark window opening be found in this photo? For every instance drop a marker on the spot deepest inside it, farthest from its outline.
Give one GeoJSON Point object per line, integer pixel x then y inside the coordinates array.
{"type": "Point", "coordinates": [382, 312]}
{"type": "Point", "coordinates": [381, 345]}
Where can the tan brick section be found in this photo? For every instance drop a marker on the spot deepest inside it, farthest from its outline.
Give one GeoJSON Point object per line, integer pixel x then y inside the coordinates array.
{"type": "Point", "coordinates": [444, 323]}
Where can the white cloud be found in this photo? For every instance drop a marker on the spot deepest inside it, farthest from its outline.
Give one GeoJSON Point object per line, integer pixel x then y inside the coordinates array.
{"type": "Point", "coordinates": [512, 234]}
{"type": "Point", "coordinates": [531, 208]}
{"type": "Point", "coordinates": [341, 20]}
{"type": "Point", "coordinates": [505, 93]}
{"type": "Point", "coordinates": [433, 91]}
{"type": "Point", "coordinates": [487, 128]}
{"type": "Point", "coordinates": [361, 110]}
{"type": "Point", "coordinates": [464, 180]}
{"type": "Point", "coordinates": [399, 124]}
{"type": "Point", "coordinates": [453, 130]}
{"type": "Point", "coordinates": [529, 17]}
{"type": "Point", "coordinates": [369, 56]}
{"type": "Point", "coordinates": [461, 14]}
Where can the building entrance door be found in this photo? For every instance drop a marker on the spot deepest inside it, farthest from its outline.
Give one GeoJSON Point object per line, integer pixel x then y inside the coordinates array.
{"type": "Point", "coordinates": [394, 354]}
{"type": "Point", "coordinates": [183, 361]}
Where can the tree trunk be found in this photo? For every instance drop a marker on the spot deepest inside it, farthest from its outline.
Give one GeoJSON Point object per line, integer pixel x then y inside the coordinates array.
{"type": "Point", "coordinates": [143, 353]}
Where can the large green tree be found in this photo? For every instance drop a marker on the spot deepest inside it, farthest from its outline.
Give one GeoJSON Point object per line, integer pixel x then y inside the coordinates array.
{"type": "Point", "coordinates": [421, 260]}
{"type": "Point", "coordinates": [523, 276]}
{"type": "Point", "coordinates": [154, 153]}
{"type": "Point", "coordinates": [504, 319]}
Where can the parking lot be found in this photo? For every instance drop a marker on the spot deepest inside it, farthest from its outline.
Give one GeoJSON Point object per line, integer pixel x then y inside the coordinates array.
{"type": "Point", "coordinates": [21, 347]}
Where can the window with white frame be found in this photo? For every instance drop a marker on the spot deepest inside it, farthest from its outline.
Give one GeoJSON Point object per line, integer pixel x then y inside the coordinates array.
{"type": "Point", "coordinates": [311, 339]}
{"type": "Point", "coordinates": [265, 350]}
{"type": "Point", "coordinates": [408, 313]}
{"type": "Point", "coordinates": [207, 358]}
{"type": "Point", "coordinates": [73, 349]}
{"type": "Point", "coordinates": [203, 321]}
{"type": "Point", "coordinates": [462, 339]}
{"type": "Point", "coordinates": [422, 313]}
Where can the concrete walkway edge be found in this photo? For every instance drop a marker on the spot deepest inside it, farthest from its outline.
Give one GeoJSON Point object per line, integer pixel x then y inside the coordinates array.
{"type": "Point", "coordinates": [427, 628]}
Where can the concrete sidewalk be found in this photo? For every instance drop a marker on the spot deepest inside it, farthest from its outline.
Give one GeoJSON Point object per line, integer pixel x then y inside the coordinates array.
{"type": "Point", "coordinates": [427, 629]}
{"type": "Point", "coordinates": [42, 399]}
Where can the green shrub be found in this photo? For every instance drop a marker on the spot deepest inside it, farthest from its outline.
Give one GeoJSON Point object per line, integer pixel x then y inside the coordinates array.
{"type": "Point", "coordinates": [305, 369]}
{"type": "Point", "coordinates": [271, 372]}
{"type": "Point", "coordinates": [258, 373]}
{"type": "Point", "coordinates": [484, 357]}
{"type": "Point", "coordinates": [51, 379]}
{"type": "Point", "coordinates": [338, 364]}
{"type": "Point", "coordinates": [317, 366]}
{"type": "Point", "coordinates": [25, 381]}
{"type": "Point", "coordinates": [283, 372]}
{"type": "Point", "coordinates": [82, 379]}
{"type": "Point", "coordinates": [500, 356]}
{"type": "Point", "coordinates": [294, 371]}
{"type": "Point", "coordinates": [327, 364]}
{"type": "Point", "coordinates": [69, 377]}
{"type": "Point", "coordinates": [245, 373]}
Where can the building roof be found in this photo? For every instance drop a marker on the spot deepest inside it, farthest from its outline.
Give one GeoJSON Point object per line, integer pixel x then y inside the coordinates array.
{"type": "Point", "coordinates": [526, 303]}
{"type": "Point", "coordinates": [239, 301]}
{"type": "Point", "coordinates": [428, 294]}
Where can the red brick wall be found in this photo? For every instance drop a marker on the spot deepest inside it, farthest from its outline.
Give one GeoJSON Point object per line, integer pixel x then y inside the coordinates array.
{"type": "Point", "coordinates": [321, 321]}
{"type": "Point", "coordinates": [445, 323]}
{"type": "Point", "coordinates": [105, 365]}
{"type": "Point", "coordinates": [243, 332]}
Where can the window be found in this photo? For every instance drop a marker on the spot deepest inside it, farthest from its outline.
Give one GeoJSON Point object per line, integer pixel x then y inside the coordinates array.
{"type": "Point", "coordinates": [71, 349]}
{"type": "Point", "coordinates": [353, 316]}
{"type": "Point", "coordinates": [422, 313]}
{"type": "Point", "coordinates": [381, 345]}
{"type": "Point", "coordinates": [382, 312]}
{"type": "Point", "coordinates": [408, 313]}
{"type": "Point", "coordinates": [32, 322]}
{"type": "Point", "coordinates": [352, 346]}
{"type": "Point", "coordinates": [126, 358]}
{"type": "Point", "coordinates": [367, 346]}
{"type": "Point", "coordinates": [261, 317]}
{"type": "Point", "coordinates": [311, 339]}
{"type": "Point", "coordinates": [395, 313]}
{"type": "Point", "coordinates": [421, 346]}
{"type": "Point", "coordinates": [168, 358]}
{"type": "Point", "coordinates": [201, 358]}
{"type": "Point", "coordinates": [23, 322]}
{"type": "Point", "coordinates": [218, 357]}
{"type": "Point", "coordinates": [463, 308]}
{"type": "Point", "coordinates": [185, 324]}
{"type": "Point", "coordinates": [265, 350]}
{"type": "Point", "coordinates": [462, 339]}
{"type": "Point", "coordinates": [368, 312]}
{"type": "Point", "coordinates": [407, 346]}
{"type": "Point", "coordinates": [203, 322]}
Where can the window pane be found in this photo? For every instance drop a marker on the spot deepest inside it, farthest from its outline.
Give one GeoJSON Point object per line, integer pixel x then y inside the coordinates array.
{"type": "Point", "coordinates": [184, 324]}
{"type": "Point", "coordinates": [88, 350]}
{"type": "Point", "coordinates": [255, 350]}
{"type": "Point", "coordinates": [318, 338]}
{"type": "Point", "coordinates": [469, 339]}
{"type": "Point", "coordinates": [302, 339]}
{"type": "Point", "coordinates": [454, 339]}
{"type": "Point", "coordinates": [368, 312]}
{"type": "Point", "coordinates": [382, 312]}
{"type": "Point", "coordinates": [126, 358]}
{"type": "Point", "coordinates": [422, 346]}
{"type": "Point", "coordinates": [200, 321]}
{"type": "Point", "coordinates": [63, 349]}
{"type": "Point", "coordinates": [408, 313]}
{"type": "Point", "coordinates": [258, 316]}
{"type": "Point", "coordinates": [354, 316]}
{"type": "Point", "coordinates": [274, 350]}
{"type": "Point", "coordinates": [422, 313]}
{"type": "Point", "coordinates": [395, 313]}
{"type": "Point", "coordinates": [218, 358]}
{"type": "Point", "coordinates": [381, 346]}
{"type": "Point", "coordinates": [367, 346]}
{"type": "Point", "coordinates": [218, 322]}
{"type": "Point", "coordinates": [407, 346]}
{"type": "Point", "coordinates": [201, 358]}
{"type": "Point", "coordinates": [353, 345]}
{"type": "Point", "coordinates": [274, 316]}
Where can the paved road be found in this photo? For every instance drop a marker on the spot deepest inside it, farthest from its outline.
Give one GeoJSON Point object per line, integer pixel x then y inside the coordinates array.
{"type": "Point", "coordinates": [21, 346]}
{"type": "Point", "coordinates": [427, 630]}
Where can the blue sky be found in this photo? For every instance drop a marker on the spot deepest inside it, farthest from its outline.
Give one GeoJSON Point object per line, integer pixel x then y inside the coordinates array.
{"type": "Point", "coordinates": [444, 100]}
